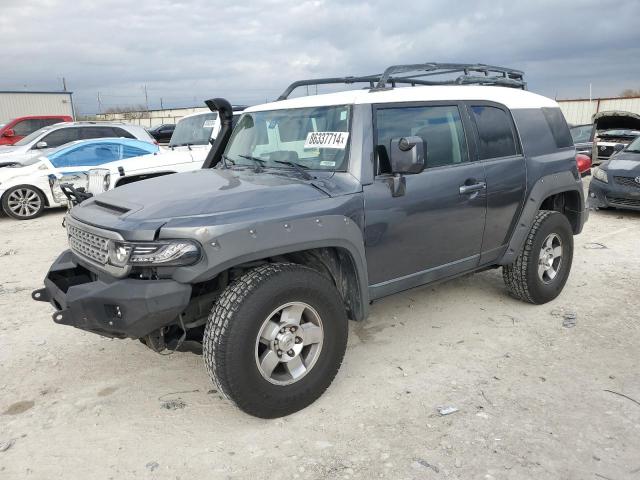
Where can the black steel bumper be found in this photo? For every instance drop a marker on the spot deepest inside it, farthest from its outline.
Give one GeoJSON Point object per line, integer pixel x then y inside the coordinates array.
{"type": "Point", "coordinates": [108, 306]}
{"type": "Point", "coordinates": [605, 195]}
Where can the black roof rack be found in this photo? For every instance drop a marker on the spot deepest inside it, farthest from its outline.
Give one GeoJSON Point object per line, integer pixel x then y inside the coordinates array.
{"type": "Point", "coordinates": [472, 74]}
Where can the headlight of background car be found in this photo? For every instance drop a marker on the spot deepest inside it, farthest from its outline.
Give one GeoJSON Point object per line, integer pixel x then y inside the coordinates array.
{"type": "Point", "coordinates": [168, 253]}
{"type": "Point", "coordinates": [601, 175]}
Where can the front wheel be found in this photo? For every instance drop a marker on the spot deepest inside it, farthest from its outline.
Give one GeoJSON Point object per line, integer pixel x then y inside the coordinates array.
{"type": "Point", "coordinates": [23, 202]}
{"type": "Point", "coordinates": [275, 339]}
{"type": "Point", "coordinates": [540, 272]}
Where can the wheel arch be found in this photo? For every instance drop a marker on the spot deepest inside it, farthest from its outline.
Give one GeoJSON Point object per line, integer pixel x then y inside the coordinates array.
{"type": "Point", "coordinates": [559, 192]}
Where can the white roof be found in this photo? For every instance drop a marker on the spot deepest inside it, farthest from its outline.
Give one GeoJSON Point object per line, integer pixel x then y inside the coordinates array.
{"type": "Point", "coordinates": [512, 98]}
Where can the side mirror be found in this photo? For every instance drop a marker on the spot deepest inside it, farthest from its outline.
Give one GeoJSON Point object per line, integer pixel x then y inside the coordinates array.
{"type": "Point", "coordinates": [40, 145]}
{"type": "Point", "coordinates": [618, 147]}
{"type": "Point", "coordinates": [406, 155]}
{"type": "Point", "coordinates": [9, 132]}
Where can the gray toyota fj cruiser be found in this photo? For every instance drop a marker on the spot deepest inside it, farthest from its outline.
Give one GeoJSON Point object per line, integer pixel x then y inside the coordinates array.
{"type": "Point", "coordinates": [313, 207]}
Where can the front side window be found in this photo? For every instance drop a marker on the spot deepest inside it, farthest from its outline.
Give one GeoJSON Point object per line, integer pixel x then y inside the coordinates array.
{"type": "Point", "coordinates": [495, 133]}
{"type": "Point", "coordinates": [440, 128]}
{"type": "Point", "coordinates": [312, 137]}
{"type": "Point", "coordinates": [25, 127]}
{"type": "Point", "coordinates": [60, 137]}
{"type": "Point", "coordinates": [194, 130]}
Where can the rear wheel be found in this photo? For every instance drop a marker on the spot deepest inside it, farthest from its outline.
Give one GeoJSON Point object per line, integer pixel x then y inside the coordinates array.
{"type": "Point", "coordinates": [23, 202]}
{"type": "Point", "coordinates": [275, 339]}
{"type": "Point", "coordinates": [540, 272]}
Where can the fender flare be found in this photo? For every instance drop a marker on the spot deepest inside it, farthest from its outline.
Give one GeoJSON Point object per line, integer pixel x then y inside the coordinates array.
{"type": "Point", "coordinates": [542, 189]}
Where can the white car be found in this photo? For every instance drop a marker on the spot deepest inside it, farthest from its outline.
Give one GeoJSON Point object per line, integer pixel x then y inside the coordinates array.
{"type": "Point", "coordinates": [28, 187]}
{"type": "Point", "coordinates": [187, 151]}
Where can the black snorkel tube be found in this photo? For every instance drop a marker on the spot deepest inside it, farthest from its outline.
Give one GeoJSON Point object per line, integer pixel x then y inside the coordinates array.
{"type": "Point", "coordinates": [225, 113]}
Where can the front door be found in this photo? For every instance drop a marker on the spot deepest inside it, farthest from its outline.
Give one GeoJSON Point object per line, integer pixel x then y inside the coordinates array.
{"type": "Point", "coordinates": [434, 228]}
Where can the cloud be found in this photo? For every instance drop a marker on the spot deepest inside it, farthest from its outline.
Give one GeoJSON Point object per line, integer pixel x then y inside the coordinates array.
{"type": "Point", "coordinates": [186, 51]}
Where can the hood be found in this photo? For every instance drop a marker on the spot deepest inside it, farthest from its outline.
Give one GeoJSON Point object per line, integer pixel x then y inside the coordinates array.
{"type": "Point", "coordinates": [140, 208]}
{"type": "Point", "coordinates": [16, 153]}
{"type": "Point", "coordinates": [614, 119]}
{"type": "Point", "coordinates": [10, 172]}
{"type": "Point", "coordinates": [625, 163]}
{"type": "Point", "coordinates": [10, 150]}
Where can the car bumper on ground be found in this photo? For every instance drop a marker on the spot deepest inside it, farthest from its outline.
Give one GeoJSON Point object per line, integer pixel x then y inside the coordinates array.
{"type": "Point", "coordinates": [605, 195]}
{"type": "Point", "coordinates": [111, 307]}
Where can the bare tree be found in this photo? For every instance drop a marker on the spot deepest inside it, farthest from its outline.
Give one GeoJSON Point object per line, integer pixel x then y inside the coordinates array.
{"type": "Point", "coordinates": [630, 92]}
{"type": "Point", "coordinates": [130, 112]}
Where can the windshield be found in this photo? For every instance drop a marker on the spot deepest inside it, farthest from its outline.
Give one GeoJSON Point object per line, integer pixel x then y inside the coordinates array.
{"type": "Point", "coordinates": [194, 130]}
{"type": "Point", "coordinates": [634, 146]}
{"type": "Point", "coordinates": [620, 133]}
{"type": "Point", "coordinates": [314, 137]}
{"type": "Point", "coordinates": [581, 133]}
{"type": "Point", "coordinates": [31, 137]}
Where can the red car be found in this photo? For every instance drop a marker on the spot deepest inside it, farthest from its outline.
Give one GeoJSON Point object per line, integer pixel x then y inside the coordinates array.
{"type": "Point", "coordinates": [15, 130]}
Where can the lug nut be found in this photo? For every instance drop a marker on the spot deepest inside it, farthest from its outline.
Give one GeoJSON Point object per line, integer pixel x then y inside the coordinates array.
{"type": "Point", "coordinates": [291, 353]}
{"type": "Point", "coordinates": [279, 353]}
{"type": "Point", "coordinates": [298, 340]}
{"type": "Point", "coordinates": [292, 329]}
{"type": "Point", "coordinates": [282, 330]}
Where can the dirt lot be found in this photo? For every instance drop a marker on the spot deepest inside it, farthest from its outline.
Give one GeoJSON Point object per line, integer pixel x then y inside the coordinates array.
{"type": "Point", "coordinates": [531, 393]}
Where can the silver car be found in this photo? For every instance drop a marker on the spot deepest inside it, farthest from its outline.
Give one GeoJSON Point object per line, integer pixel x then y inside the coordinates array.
{"type": "Point", "coordinates": [53, 136]}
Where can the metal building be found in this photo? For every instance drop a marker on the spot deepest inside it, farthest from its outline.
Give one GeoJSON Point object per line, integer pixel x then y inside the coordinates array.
{"type": "Point", "coordinates": [580, 111]}
{"type": "Point", "coordinates": [151, 118]}
{"type": "Point", "coordinates": [21, 103]}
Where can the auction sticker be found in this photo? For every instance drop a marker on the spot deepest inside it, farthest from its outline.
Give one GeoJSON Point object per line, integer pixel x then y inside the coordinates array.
{"type": "Point", "coordinates": [327, 140]}
{"type": "Point", "coordinates": [209, 123]}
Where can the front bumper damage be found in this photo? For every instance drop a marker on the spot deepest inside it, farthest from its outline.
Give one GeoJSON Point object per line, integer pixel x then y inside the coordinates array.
{"type": "Point", "coordinates": [120, 308]}
{"type": "Point", "coordinates": [607, 195]}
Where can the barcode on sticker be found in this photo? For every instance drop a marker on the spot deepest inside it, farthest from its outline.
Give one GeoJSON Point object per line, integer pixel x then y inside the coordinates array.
{"type": "Point", "coordinates": [327, 140]}
{"type": "Point", "coordinates": [208, 124]}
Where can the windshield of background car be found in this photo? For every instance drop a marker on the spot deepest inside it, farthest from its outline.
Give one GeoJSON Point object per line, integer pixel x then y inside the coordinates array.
{"type": "Point", "coordinates": [31, 137]}
{"type": "Point", "coordinates": [312, 137]}
{"type": "Point", "coordinates": [634, 147]}
{"type": "Point", "coordinates": [194, 130]}
{"type": "Point", "coordinates": [581, 133]}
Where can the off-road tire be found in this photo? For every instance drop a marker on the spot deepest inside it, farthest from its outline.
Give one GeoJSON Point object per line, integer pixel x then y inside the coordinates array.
{"type": "Point", "coordinates": [41, 200]}
{"type": "Point", "coordinates": [521, 277]}
{"type": "Point", "coordinates": [233, 327]}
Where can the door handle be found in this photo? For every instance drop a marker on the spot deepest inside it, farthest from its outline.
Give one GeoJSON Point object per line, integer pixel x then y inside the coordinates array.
{"type": "Point", "coordinates": [475, 187]}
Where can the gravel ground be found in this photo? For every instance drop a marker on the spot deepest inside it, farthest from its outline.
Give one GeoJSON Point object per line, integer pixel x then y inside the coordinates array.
{"type": "Point", "coordinates": [534, 398]}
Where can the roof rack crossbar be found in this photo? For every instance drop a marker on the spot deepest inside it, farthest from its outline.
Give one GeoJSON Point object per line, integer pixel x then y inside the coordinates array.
{"type": "Point", "coordinates": [472, 74]}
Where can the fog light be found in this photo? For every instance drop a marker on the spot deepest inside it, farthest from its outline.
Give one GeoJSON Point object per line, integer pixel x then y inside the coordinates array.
{"type": "Point", "coordinates": [593, 195]}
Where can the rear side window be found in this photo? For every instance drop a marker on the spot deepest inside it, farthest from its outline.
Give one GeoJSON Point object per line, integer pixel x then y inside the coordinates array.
{"type": "Point", "coordinates": [559, 128]}
{"type": "Point", "coordinates": [121, 132]}
{"type": "Point", "coordinates": [495, 132]}
{"type": "Point", "coordinates": [96, 132]}
{"type": "Point", "coordinates": [50, 121]}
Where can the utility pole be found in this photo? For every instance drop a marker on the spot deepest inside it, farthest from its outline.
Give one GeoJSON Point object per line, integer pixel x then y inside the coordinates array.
{"type": "Point", "coordinates": [99, 103]}
{"type": "Point", "coordinates": [161, 106]}
{"type": "Point", "coordinates": [64, 84]}
{"type": "Point", "coordinates": [146, 97]}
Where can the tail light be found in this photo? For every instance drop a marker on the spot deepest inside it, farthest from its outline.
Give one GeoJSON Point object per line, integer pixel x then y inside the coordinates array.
{"type": "Point", "coordinates": [584, 164]}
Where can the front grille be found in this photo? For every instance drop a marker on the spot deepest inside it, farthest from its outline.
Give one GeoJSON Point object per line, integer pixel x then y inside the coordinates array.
{"type": "Point", "coordinates": [623, 202]}
{"type": "Point", "coordinates": [627, 181]}
{"type": "Point", "coordinates": [88, 245]}
{"type": "Point", "coordinates": [604, 151]}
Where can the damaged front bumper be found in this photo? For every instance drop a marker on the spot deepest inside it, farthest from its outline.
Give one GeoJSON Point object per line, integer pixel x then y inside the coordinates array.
{"type": "Point", "coordinates": [606, 195]}
{"type": "Point", "coordinates": [120, 308]}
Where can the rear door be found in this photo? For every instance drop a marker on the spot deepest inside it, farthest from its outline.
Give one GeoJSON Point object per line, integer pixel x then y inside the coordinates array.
{"type": "Point", "coordinates": [435, 228]}
{"type": "Point", "coordinates": [499, 151]}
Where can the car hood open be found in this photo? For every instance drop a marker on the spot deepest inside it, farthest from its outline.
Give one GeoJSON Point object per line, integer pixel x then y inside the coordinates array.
{"type": "Point", "coordinates": [137, 210]}
{"type": "Point", "coordinates": [615, 119]}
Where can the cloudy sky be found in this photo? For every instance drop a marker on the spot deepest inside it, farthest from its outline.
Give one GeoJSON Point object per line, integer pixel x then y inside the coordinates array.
{"type": "Point", "coordinates": [247, 51]}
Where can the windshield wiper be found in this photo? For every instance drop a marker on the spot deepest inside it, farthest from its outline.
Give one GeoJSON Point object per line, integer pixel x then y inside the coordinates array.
{"type": "Point", "coordinates": [632, 151]}
{"type": "Point", "coordinates": [259, 162]}
{"type": "Point", "coordinates": [297, 167]}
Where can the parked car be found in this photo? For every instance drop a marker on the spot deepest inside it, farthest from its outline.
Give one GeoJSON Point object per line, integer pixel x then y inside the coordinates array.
{"type": "Point", "coordinates": [162, 133]}
{"type": "Point", "coordinates": [42, 141]}
{"type": "Point", "coordinates": [27, 188]}
{"type": "Point", "coordinates": [611, 129]}
{"type": "Point", "coordinates": [582, 138]}
{"type": "Point", "coordinates": [193, 139]}
{"type": "Point", "coordinates": [311, 208]}
{"type": "Point", "coordinates": [16, 129]}
{"type": "Point", "coordinates": [616, 182]}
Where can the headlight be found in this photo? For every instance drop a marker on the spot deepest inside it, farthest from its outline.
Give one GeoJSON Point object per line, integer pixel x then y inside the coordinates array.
{"type": "Point", "coordinates": [169, 253]}
{"type": "Point", "coordinates": [601, 175]}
